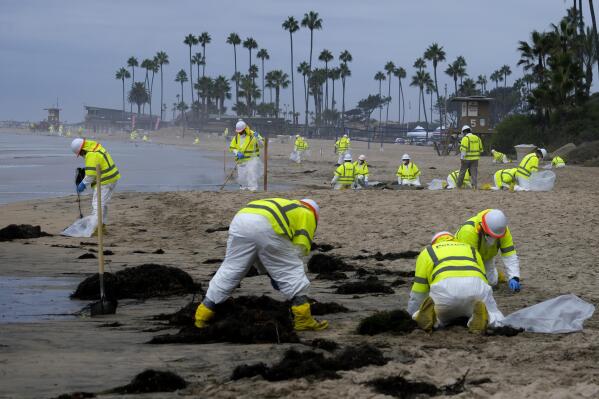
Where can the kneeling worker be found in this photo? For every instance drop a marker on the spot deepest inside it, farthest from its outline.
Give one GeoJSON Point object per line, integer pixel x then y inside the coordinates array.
{"type": "Point", "coordinates": [505, 179]}
{"type": "Point", "coordinates": [450, 283]}
{"type": "Point", "coordinates": [361, 168]}
{"type": "Point", "coordinates": [452, 179]}
{"type": "Point", "coordinates": [489, 234]}
{"type": "Point", "coordinates": [271, 231]}
{"type": "Point", "coordinates": [408, 173]}
{"type": "Point", "coordinates": [345, 174]}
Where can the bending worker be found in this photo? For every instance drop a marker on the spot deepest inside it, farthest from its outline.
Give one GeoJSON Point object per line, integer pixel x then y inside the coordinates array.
{"type": "Point", "coordinates": [95, 154]}
{"type": "Point", "coordinates": [452, 179]}
{"type": "Point", "coordinates": [345, 174]}
{"type": "Point", "coordinates": [488, 233]}
{"type": "Point", "coordinates": [471, 148]}
{"type": "Point", "coordinates": [342, 148]}
{"type": "Point", "coordinates": [246, 148]}
{"type": "Point", "coordinates": [558, 162]}
{"type": "Point", "coordinates": [408, 173]}
{"type": "Point", "coordinates": [528, 165]}
{"type": "Point", "coordinates": [361, 168]}
{"type": "Point", "coordinates": [499, 157]}
{"type": "Point", "coordinates": [450, 283]}
{"type": "Point", "coordinates": [273, 231]}
{"type": "Point", "coordinates": [505, 179]}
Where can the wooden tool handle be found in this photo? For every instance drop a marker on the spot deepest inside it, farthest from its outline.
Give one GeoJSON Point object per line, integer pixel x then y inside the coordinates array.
{"type": "Point", "coordinates": [100, 229]}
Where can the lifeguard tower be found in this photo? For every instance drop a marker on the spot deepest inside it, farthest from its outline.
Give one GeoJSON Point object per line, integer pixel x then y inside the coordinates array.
{"type": "Point", "coordinates": [53, 117]}
{"type": "Point", "coordinates": [474, 111]}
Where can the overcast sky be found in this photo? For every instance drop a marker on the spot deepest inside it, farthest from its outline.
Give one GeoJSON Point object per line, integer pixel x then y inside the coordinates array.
{"type": "Point", "coordinates": [70, 49]}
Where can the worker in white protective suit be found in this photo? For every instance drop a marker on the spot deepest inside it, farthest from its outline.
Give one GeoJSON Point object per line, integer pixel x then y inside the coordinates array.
{"type": "Point", "coordinates": [361, 172]}
{"type": "Point", "coordinates": [275, 233]}
{"type": "Point", "coordinates": [94, 155]}
{"type": "Point", "coordinates": [450, 283]}
{"type": "Point", "coordinates": [245, 146]}
{"type": "Point", "coordinates": [342, 148]}
{"type": "Point", "coordinates": [488, 233]}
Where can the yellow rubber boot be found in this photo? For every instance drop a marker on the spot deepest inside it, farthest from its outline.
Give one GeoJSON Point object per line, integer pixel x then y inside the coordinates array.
{"type": "Point", "coordinates": [203, 316]}
{"type": "Point", "coordinates": [480, 318]}
{"type": "Point", "coordinates": [426, 317]}
{"type": "Point", "coordinates": [303, 320]}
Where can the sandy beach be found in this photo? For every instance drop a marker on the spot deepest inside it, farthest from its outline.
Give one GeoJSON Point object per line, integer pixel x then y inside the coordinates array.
{"type": "Point", "coordinates": [555, 235]}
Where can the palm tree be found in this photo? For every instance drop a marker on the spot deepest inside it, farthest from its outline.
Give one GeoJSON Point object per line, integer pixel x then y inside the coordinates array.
{"type": "Point", "coordinates": [132, 63]}
{"type": "Point", "coordinates": [304, 70]}
{"type": "Point", "coordinates": [482, 81]}
{"type": "Point", "coordinates": [420, 80]}
{"type": "Point", "coordinates": [595, 35]}
{"type": "Point", "coordinates": [280, 80]}
{"type": "Point", "coordinates": [222, 90]}
{"type": "Point", "coordinates": [400, 74]}
{"type": "Point", "coordinates": [455, 70]}
{"type": "Point", "coordinates": [461, 62]}
{"type": "Point", "coordinates": [138, 95]}
{"type": "Point", "coordinates": [496, 77]}
{"type": "Point", "coordinates": [249, 91]}
{"type": "Point", "coordinates": [190, 40]}
{"type": "Point", "coordinates": [122, 74]}
{"type": "Point", "coordinates": [419, 64]}
{"type": "Point", "coordinates": [292, 26]}
{"type": "Point", "coordinates": [235, 40]}
{"type": "Point", "coordinates": [204, 39]}
{"type": "Point", "coordinates": [181, 78]}
{"type": "Point", "coordinates": [345, 57]}
{"type": "Point", "coordinates": [505, 71]}
{"type": "Point", "coordinates": [389, 68]}
{"type": "Point", "coordinates": [148, 65]}
{"type": "Point", "coordinates": [161, 59]}
{"type": "Point", "coordinates": [250, 44]}
{"type": "Point", "coordinates": [435, 54]}
{"type": "Point", "coordinates": [380, 76]}
{"type": "Point", "coordinates": [197, 61]}
{"type": "Point", "coordinates": [313, 22]}
{"type": "Point", "coordinates": [270, 84]}
{"type": "Point", "coordinates": [263, 55]}
{"type": "Point", "coordinates": [204, 87]}
{"type": "Point", "coordinates": [154, 67]}
{"type": "Point", "coordinates": [430, 89]}
{"type": "Point", "coordinates": [326, 56]}
{"type": "Point", "coordinates": [334, 74]}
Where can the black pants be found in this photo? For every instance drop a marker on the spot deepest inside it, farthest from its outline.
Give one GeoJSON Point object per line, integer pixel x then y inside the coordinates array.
{"type": "Point", "coordinates": [472, 167]}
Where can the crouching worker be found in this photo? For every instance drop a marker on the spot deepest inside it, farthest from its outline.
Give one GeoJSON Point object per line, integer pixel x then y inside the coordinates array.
{"type": "Point", "coordinates": [276, 232]}
{"type": "Point", "coordinates": [449, 284]}
{"type": "Point", "coordinates": [345, 174]}
{"type": "Point", "coordinates": [452, 179]}
{"type": "Point", "coordinates": [361, 168]}
{"type": "Point", "coordinates": [95, 154]}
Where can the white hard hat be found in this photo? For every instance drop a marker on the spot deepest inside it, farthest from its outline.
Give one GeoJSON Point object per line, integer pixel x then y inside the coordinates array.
{"type": "Point", "coordinates": [439, 235]}
{"type": "Point", "coordinates": [77, 145]}
{"type": "Point", "coordinates": [297, 136]}
{"type": "Point", "coordinates": [543, 152]}
{"type": "Point", "coordinates": [347, 157]}
{"type": "Point", "coordinates": [345, 135]}
{"type": "Point", "coordinates": [404, 157]}
{"type": "Point", "coordinates": [240, 126]}
{"type": "Point", "coordinates": [362, 157]}
{"type": "Point", "coordinates": [312, 205]}
{"type": "Point", "coordinates": [465, 127]}
{"type": "Point", "coordinates": [494, 223]}
{"type": "Point", "coordinates": [492, 151]}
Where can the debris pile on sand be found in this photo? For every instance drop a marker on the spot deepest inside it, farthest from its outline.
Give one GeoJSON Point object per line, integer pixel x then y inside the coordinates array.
{"type": "Point", "coordinates": [331, 276]}
{"type": "Point", "coordinates": [76, 395]}
{"type": "Point", "coordinates": [215, 229]}
{"type": "Point", "coordinates": [321, 263]}
{"type": "Point", "coordinates": [152, 381]}
{"type": "Point", "coordinates": [379, 256]}
{"type": "Point", "coordinates": [399, 387]}
{"type": "Point", "coordinates": [21, 231]}
{"type": "Point", "coordinates": [313, 365]}
{"type": "Point", "coordinates": [368, 286]}
{"type": "Point", "coordinates": [322, 247]}
{"type": "Point", "coordinates": [395, 321]}
{"type": "Point", "coordinates": [246, 319]}
{"type": "Point", "coordinates": [324, 344]}
{"type": "Point", "coordinates": [322, 308]}
{"type": "Point", "coordinates": [145, 281]}
{"type": "Point", "coordinates": [505, 331]}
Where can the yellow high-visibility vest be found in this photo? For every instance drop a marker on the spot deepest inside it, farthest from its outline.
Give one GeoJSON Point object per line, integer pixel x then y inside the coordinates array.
{"type": "Point", "coordinates": [446, 259]}
{"type": "Point", "coordinates": [472, 145]}
{"type": "Point", "coordinates": [247, 145]}
{"type": "Point", "coordinates": [529, 164]}
{"type": "Point", "coordinates": [96, 154]}
{"type": "Point", "coordinates": [289, 218]}
{"type": "Point", "coordinates": [453, 176]}
{"type": "Point", "coordinates": [408, 172]}
{"type": "Point", "coordinates": [346, 173]}
{"type": "Point", "coordinates": [361, 170]}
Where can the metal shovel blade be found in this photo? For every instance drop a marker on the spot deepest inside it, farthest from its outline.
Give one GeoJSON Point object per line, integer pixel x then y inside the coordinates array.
{"type": "Point", "coordinates": [103, 306]}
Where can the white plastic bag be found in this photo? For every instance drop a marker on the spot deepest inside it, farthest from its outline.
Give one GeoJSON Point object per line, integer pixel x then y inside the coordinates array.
{"type": "Point", "coordinates": [295, 157]}
{"type": "Point", "coordinates": [563, 314]}
{"type": "Point", "coordinates": [435, 184]}
{"type": "Point", "coordinates": [83, 227]}
{"type": "Point", "coordinates": [542, 181]}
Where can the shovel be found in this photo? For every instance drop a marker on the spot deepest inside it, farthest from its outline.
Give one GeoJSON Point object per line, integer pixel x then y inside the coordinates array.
{"type": "Point", "coordinates": [103, 306]}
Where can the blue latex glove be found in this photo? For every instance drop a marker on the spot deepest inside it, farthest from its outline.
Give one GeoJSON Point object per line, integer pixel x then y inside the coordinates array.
{"type": "Point", "coordinates": [240, 155]}
{"type": "Point", "coordinates": [81, 187]}
{"type": "Point", "coordinates": [514, 284]}
{"type": "Point", "coordinates": [274, 284]}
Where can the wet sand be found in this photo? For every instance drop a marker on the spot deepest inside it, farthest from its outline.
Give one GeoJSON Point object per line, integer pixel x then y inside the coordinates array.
{"type": "Point", "coordinates": [554, 234]}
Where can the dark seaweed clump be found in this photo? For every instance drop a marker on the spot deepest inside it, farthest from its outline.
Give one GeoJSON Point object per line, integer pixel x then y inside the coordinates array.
{"type": "Point", "coordinates": [21, 231]}
{"type": "Point", "coordinates": [321, 263]}
{"type": "Point", "coordinates": [368, 286]}
{"type": "Point", "coordinates": [379, 256]}
{"type": "Point", "coordinates": [505, 331]}
{"type": "Point", "coordinates": [399, 387]}
{"type": "Point", "coordinates": [313, 365]}
{"type": "Point", "coordinates": [325, 344]}
{"type": "Point", "coordinates": [331, 276]}
{"type": "Point", "coordinates": [246, 319]}
{"type": "Point", "coordinates": [152, 381]}
{"type": "Point", "coordinates": [395, 321]}
{"type": "Point", "coordinates": [145, 281]}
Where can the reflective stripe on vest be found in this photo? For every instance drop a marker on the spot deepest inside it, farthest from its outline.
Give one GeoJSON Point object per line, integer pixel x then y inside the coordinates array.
{"type": "Point", "coordinates": [348, 175]}
{"type": "Point", "coordinates": [281, 217]}
{"type": "Point", "coordinates": [470, 152]}
{"type": "Point", "coordinates": [522, 168]}
{"type": "Point", "coordinates": [444, 265]}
